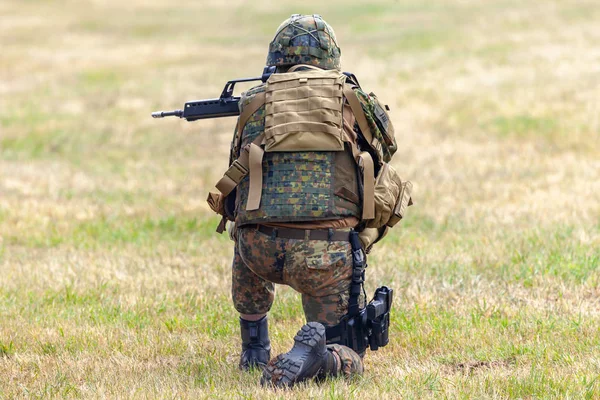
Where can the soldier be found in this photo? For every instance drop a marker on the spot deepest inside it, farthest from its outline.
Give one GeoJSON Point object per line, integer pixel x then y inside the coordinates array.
{"type": "Point", "coordinates": [299, 181]}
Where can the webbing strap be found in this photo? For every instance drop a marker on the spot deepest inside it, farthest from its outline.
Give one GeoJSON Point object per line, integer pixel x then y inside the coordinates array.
{"type": "Point", "coordinates": [222, 225]}
{"type": "Point", "coordinates": [297, 90]}
{"type": "Point", "coordinates": [308, 66]}
{"type": "Point", "coordinates": [257, 102]}
{"type": "Point", "coordinates": [365, 162]}
{"type": "Point", "coordinates": [359, 113]}
{"type": "Point", "coordinates": [364, 159]}
{"type": "Point", "coordinates": [255, 190]}
{"type": "Point", "coordinates": [305, 104]}
{"type": "Point", "coordinates": [322, 115]}
{"type": "Point", "coordinates": [239, 168]}
{"type": "Point", "coordinates": [303, 127]}
{"type": "Point", "coordinates": [236, 172]}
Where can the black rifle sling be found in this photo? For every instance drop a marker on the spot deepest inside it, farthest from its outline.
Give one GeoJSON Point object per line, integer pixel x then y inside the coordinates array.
{"type": "Point", "coordinates": [358, 275]}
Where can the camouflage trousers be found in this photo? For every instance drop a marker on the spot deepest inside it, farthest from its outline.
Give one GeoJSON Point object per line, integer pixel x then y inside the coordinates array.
{"type": "Point", "coordinates": [318, 269]}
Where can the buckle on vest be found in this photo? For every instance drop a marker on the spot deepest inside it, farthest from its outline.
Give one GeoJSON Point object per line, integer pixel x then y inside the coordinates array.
{"type": "Point", "coordinates": [236, 172]}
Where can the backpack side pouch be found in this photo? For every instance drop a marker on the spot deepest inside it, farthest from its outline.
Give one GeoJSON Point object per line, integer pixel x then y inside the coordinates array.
{"type": "Point", "coordinates": [392, 196]}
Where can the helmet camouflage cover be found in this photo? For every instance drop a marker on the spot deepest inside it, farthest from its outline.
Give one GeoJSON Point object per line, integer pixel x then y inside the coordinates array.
{"type": "Point", "coordinates": [304, 39]}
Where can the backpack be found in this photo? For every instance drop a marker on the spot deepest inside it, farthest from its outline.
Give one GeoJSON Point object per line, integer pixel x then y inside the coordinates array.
{"type": "Point", "coordinates": [303, 113]}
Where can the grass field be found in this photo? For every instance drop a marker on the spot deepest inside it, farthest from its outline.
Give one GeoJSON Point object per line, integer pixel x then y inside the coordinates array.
{"type": "Point", "coordinates": [114, 284]}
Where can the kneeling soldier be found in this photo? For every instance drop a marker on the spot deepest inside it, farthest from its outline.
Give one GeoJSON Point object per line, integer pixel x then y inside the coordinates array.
{"type": "Point", "coordinates": [307, 148]}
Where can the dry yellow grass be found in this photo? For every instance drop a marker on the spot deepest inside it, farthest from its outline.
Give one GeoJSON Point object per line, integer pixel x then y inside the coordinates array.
{"type": "Point", "coordinates": [112, 283]}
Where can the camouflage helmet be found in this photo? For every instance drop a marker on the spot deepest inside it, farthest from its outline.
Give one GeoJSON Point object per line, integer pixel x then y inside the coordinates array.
{"type": "Point", "coordinates": [304, 39]}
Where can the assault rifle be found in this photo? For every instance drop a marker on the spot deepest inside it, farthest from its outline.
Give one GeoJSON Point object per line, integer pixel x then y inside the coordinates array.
{"type": "Point", "coordinates": [224, 106]}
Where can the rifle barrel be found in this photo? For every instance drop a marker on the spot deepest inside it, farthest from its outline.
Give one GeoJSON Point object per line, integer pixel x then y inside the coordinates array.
{"type": "Point", "coordinates": [162, 114]}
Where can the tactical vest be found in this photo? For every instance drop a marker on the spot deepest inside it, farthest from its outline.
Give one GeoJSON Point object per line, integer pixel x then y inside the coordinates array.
{"type": "Point", "coordinates": [295, 161]}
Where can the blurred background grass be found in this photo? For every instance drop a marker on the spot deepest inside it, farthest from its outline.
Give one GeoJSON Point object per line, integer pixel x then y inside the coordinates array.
{"type": "Point", "coordinates": [113, 283]}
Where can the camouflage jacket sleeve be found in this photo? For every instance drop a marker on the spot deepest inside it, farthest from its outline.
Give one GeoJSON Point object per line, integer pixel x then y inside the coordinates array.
{"type": "Point", "coordinates": [379, 122]}
{"type": "Point", "coordinates": [254, 126]}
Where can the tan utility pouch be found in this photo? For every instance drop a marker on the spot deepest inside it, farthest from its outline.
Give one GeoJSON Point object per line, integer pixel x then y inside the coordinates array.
{"type": "Point", "coordinates": [388, 195]}
{"type": "Point", "coordinates": [215, 202]}
{"type": "Point", "coordinates": [404, 201]}
{"type": "Point", "coordinates": [369, 236]}
{"type": "Point", "coordinates": [303, 111]}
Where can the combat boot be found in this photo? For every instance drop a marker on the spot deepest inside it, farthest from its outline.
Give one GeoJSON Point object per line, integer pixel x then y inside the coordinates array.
{"type": "Point", "coordinates": [256, 347]}
{"type": "Point", "coordinates": [309, 358]}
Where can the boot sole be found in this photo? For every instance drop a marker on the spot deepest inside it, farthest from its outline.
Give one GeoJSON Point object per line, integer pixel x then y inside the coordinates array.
{"type": "Point", "coordinates": [284, 370]}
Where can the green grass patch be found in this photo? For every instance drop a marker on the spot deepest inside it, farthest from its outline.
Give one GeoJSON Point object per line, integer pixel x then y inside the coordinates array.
{"type": "Point", "coordinates": [523, 126]}
{"type": "Point", "coordinates": [73, 310]}
{"type": "Point", "coordinates": [36, 144]}
{"type": "Point", "coordinates": [31, 115]}
{"type": "Point", "coordinates": [483, 308]}
{"type": "Point", "coordinates": [497, 53]}
{"type": "Point", "coordinates": [540, 253]}
{"type": "Point", "coordinates": [107, 231]}
{"type": "Point", "coordinates": [6, 349]}
{"type": "Point", "coordinates": [106, 79]}
{"type": "Point", "coordinates": [119, 231]}
{"type": "Point", "coordinates": [421, 41]}
{"type": "Point", "coordinates": [143, 231]}
{"type": "Point", "coordinates": [529, 256]}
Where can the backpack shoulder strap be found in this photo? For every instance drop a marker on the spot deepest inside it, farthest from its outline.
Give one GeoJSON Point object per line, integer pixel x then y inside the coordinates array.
{"type": "Point", "coordinates": [358, 112]}
{"type": "Point", "coordinates": [249, 161]}
{"type": "Point", "coordinates": [257, 102]}
{"type": "Point", "coordinates": [363, 159]}
{"type": "Point", "coordinates": [255, 158]}
{"type": "Point", "coordinates": [238, 168]}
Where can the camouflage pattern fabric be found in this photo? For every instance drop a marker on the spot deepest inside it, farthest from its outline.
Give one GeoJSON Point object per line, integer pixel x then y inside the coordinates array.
{"type": "Point", "coordinates": [304, 39]}
{"type": "Point", "coordinates": [251, 294]}
{"type": "Point", "coordinates": [381, 130]}
{"type": "Point", "coordinates": [351, 362]}
{"type": "Point", "coordinates": [297, 186]}
{"type": "Point", "coordinates": [320, 270]}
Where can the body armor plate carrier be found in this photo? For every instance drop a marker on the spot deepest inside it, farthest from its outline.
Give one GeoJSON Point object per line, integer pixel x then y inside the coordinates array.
{"type": "Point", "coordinates": [297, 162]}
